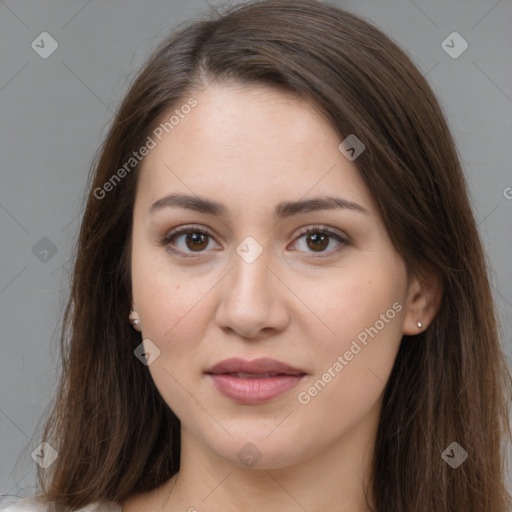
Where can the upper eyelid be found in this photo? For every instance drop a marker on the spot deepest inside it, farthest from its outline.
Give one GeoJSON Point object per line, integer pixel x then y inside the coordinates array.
{"type": "Point", "coordinates": [302, 231]}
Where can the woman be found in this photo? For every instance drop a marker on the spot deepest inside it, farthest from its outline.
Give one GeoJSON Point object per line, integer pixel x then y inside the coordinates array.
{"type": "Point", "coordinates": [280, 299]}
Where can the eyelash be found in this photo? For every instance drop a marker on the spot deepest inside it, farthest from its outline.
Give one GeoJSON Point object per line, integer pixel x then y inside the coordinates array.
{"type": "Point", "coordinates": [324, 230]}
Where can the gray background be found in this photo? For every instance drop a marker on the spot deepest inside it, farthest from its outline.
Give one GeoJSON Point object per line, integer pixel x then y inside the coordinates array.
{"type": "Point", "coordinates": [55, 112]}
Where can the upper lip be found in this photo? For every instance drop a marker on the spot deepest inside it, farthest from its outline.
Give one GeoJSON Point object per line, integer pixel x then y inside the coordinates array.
{"type": "Point", "coordinates": [256, 366]}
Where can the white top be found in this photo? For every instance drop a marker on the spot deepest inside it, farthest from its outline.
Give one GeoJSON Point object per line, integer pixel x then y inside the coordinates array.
{"type": "Point", "coordinates": [30, 505]}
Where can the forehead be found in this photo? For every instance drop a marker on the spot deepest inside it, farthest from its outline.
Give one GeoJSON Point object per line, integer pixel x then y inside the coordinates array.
{"type": "Point", "coordinates": [250, 144]}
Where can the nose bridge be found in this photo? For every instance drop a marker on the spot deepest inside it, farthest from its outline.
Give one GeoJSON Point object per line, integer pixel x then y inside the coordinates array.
{"type": "Point", "coordinates": [248, 302]}
{"type": "Point", "coordinates": [251, 279]}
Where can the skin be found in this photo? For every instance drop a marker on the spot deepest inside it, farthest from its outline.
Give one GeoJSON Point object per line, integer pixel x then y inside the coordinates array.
{"type": "Point", "coordinates": [251, 148]}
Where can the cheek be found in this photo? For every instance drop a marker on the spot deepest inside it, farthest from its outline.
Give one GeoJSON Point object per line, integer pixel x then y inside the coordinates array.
{"type": "Point", "coordinates": [172, 303]}
{"type": "Point", "coordinates": [353, 301]}
{"type": "Point", "coordinates": [172, 306]}
{"type": "Point", "coordinates": [363, 309]}
{"type": "Point", "coordinates": [353, 365]}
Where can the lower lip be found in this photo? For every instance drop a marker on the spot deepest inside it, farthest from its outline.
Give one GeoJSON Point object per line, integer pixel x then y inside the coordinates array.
{"type": "Point", "coordinates": [254, 391]}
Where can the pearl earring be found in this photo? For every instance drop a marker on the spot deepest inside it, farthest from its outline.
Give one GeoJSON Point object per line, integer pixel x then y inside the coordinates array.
{"type": "Point", "coordinates": [420, 325]}
{"type": "Point", "coordinates": [135, 321]}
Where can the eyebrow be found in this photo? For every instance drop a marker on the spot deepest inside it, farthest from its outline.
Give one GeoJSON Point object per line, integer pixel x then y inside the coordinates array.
{"type": "Point", "coordinates": [281, 211]}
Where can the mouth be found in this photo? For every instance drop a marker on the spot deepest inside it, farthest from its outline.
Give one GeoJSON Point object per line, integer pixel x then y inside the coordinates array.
{"type": "Point", "coordinates": [241, 375]}
{"type": "Point", "coordinates": [254, 382]}
{"type": "Point", "coordinates": [259, 367]}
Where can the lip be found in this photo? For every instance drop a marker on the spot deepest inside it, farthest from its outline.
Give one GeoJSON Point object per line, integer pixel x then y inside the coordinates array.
{"type": "Point", "coordinates": [256, 366]}
{"type": "Point", "coordinates": [254, 382]}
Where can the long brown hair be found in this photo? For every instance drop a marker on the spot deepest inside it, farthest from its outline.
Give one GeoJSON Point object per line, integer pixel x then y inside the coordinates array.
{"type": "Point", "coordinates": [115, 435]}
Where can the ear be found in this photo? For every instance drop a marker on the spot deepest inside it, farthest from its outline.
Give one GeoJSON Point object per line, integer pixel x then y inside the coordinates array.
{"type": "Point", "coordinates": [425, 292]}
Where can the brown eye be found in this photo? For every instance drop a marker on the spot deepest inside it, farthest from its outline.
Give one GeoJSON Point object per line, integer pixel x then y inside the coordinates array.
{"type": "Point", "coordinates": [196, 241]}
{"type": "Point", "coordinates": [318, 239]}
{"type": "Point", "coordinates": [187, 241]}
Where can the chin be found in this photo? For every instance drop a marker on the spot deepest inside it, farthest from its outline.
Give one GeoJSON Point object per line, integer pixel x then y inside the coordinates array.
{"type": "Point", "coordinates": [259, 449]}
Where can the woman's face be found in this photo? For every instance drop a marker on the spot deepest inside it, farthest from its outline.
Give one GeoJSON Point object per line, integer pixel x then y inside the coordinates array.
{"type": "Point", "coordinates": [331, 306]}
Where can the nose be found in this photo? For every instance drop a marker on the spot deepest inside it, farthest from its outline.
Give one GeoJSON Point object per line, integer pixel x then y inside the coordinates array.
{"type": "Point", "coordinates": [253, 299]}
